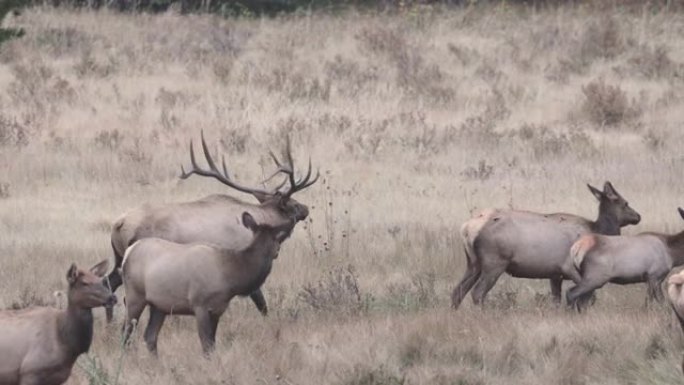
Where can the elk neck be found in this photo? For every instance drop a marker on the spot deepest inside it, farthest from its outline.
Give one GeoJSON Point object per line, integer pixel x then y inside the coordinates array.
{"type": "Point", "coordinates": [75, 329]}
{"type": "Point", "coordinates": [606, 224]}
{"type": "Point", "coordinates": [675, 246]}
{"type": "Point", "coordinates": [253, 264]}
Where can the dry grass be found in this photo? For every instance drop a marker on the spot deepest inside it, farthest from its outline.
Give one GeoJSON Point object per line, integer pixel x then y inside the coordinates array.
{"type": "Point", "coordinates": [416, 119]}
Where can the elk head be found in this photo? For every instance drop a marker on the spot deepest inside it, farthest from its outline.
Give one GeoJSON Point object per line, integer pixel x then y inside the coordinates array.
{"type": "Point", "coordinates": [87, 288]}
{"type": "Point", "coordinates": [610, 201]}
{"type": "Point", "coordinates": [280, 198]}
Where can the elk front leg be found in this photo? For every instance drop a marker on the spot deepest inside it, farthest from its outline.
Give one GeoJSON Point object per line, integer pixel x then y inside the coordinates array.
{"type": "Point", "coordinates": [205, 330]}
{"type": "Point", "coordinates": [556, 288]}
{"type": "Point", "coordinates": [258, 298]}
{"type": "Point", "coordinates": [654, 290]}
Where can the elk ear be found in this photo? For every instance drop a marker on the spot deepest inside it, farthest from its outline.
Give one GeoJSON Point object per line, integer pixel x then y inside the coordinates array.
{"type": "Point", "coordinates": [597, 193]}
{"type": "Point", "coordinates": [248, 221]}
{"type": "Point", "coordinates": [101, 268]}
{"type": "Point", "coordinates": [72, 274]}
{"type": "Point", "coordinates": [610, 191]}
{"type": "Point", "coordinates": [681, 212]}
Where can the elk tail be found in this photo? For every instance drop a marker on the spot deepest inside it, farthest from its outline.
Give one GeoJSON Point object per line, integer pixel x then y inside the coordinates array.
{"type": "Point", "coordinates": [469, 232]}
{"type": "Point", "coordinates": [472, 228]}
{"type": "Point", "coordinates": [114, 277]}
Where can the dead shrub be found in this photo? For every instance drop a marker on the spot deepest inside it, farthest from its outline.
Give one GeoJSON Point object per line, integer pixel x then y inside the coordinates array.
{"type": "Point", "coordinates": [89, 65]}
{"type": "Point", "coordinates": [416, 295]}
{"type": "Point", "coordinates": [607, 105]}
{"type": "Point", "coordinates": [373, 376]}
{"type": "Point", "coordinates": [654, 141]}
{"type": "Point", "coordinates": [338, 291]}
{"type": "Point", "coordinates": [349, 77]}
{"type": "Point", "coordinates": [546, 143]}
{"type": "Point", "coordinates": [28, 298]}
{"type": "Point", "coordinates": [654, 62]}
{"type": "Point", "coordinates": [602, 39]}
{"type": "Point", "coordinates": [417, 78]}
{"type": "Point", "coordinates": [40, 93]}
{"type": "Point", "coordinates": [482, 171]}
{"type": "Point", "coordinates": [4, 190]}
{"type": "Point", "coordinates": [464, 55]}
{"type": "Point", "coordinates": [12, 134]}
{"type": "Point", "coordinates": [109, 139]}
{"type": "Point", "coordinates": [503, 300]}
{"type": "Point", "coordinates": [63, 41]}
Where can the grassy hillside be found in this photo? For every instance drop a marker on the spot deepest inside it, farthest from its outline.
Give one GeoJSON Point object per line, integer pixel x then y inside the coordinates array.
{"type": "Point", "coordinates": [416, 120]}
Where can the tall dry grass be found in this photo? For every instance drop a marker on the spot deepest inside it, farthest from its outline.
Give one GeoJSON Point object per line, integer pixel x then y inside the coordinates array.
{"type": "Point", "coordinates": [416, 120]}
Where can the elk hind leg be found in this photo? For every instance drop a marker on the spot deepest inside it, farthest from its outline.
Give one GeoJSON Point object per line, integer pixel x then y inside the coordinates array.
{"type": "Point", "coordinates": [134, 308]}
{"type": "Point", "coordinates": [470, 277]}
{"type": "Point", "coordinates": [654, 293]}
{"type": "Point", "coordinates": [578, 295]}
{"type": "Point", "coordinates": [488, 278]}
{"type": "Point", "coordinates": [214, 318]}
{"type": "Point", "coordinates": [556, 288]}
{"type": "Point", "coordinates": [154, 325]}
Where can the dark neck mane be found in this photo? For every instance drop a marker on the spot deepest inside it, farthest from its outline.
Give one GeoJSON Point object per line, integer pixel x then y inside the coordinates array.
{"type": "Point", "coordinates": [605, 224]}
{"type": "Point", "coordinates": [75, 329]}
{"type": "Point", "coordinates": [675, 245]}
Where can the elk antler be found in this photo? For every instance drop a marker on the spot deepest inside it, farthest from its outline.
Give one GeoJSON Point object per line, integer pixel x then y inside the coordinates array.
{"type": "Point", "coordinates": [288, 169]}
{"type": "Point", "coordinates": [214, 172]}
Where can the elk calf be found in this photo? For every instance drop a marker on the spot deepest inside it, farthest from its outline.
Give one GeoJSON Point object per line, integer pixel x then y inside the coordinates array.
{"type": "Point", "coordinates": [39, 346]}
{"type": "Point", "coordinates": [195, 279]}
{"type": "Point", "coordinates": [646, 257]}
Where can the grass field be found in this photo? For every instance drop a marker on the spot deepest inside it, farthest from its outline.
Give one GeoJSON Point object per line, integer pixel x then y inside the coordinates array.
{"type": "Point", "coordinates": [416, 119]}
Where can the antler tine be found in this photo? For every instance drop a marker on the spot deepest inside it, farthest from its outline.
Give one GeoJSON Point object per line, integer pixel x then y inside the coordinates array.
{"type": "Point", "coordinates": [223, 164]}
{"type": "Point", "coordinates": [305, 179]}
{"type": "Point", "coordinates": [185, 175]}
{"type": "Point", "coordinates": [318, 173]}
{"type": "Point", "coordinates": [287, 168]}
{"type": "Point", "coordinates": [214, 172]}
{"type": "Point", "coordinates": [207, 155]}
{"type": "Point", "coordinates": [288, 152]}
{"type": "Point", "coordinates": [275, 159]}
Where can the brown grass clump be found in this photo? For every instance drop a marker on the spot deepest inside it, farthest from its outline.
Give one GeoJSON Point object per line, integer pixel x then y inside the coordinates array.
{"type": "Point", "coordinates": [607, 105]}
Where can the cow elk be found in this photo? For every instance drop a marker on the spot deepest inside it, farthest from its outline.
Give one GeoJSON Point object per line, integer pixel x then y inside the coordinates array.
{"type": "Point", "coordinates": [531, 245]}
{"type": "Point", "coordinates": [39, 346]}
{"type": "Point", "coordinates": [196, 279]}
{"type": "Point", "coordinates": [676, 295]}
{"type": "Point", "coordinates": [646, 257]}
{"type": "Point", "coordinates": [215, 218]}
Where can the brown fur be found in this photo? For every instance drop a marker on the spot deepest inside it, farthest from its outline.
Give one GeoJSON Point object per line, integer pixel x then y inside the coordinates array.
{"type": "Point", "coordinates": [647, 257]}
{"type": "Point", "coordinates": [580, 248]}
{"type": "Point", "coordinates": [213, 219]}
{"type": "Point", "coordinates": [39, 346]}
{"type": "Point", "coordinates": [195, 279]}
{"type": "Point", "coordinates": [531, 245]}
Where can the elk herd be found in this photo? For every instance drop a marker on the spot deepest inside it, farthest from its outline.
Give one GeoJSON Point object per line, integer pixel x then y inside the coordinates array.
{"type": "Point", "coordinates": [193, 258]}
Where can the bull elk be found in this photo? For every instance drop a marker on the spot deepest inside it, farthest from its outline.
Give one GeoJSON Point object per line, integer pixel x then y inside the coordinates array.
{"type": "Point", "coordinates": [39, 346]}
{"type": "Point", "coordinates": [531, 245]}
{"type": "Point", "coordinates": [196, 279]}
{"type": "Point", "coordinates": [646, 257]}
{"type": "Point", "coordinates": [215, 218]}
